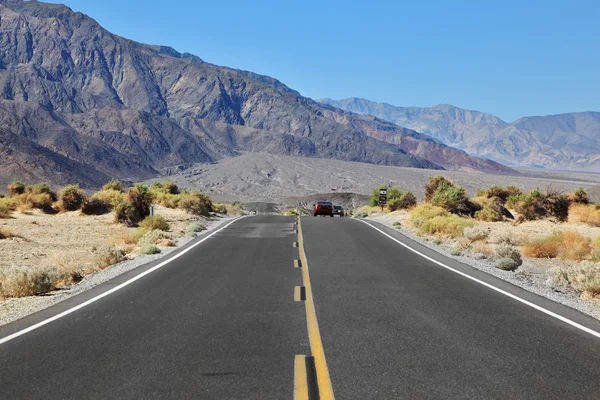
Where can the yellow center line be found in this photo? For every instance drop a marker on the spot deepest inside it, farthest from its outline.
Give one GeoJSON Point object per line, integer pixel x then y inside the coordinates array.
{"type": "Point", "coordinates": [316, 344]}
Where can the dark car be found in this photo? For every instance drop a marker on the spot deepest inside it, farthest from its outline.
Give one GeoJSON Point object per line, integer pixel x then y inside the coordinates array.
{"type": "Point", "coordinates": [338, 210]}
{"type": "Point", "coordinates": [323, 208]}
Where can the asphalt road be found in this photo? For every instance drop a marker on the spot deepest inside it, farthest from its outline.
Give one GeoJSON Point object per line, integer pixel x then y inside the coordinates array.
{"type": "Point", "coordinates": [395, 325]}
{"type": "Point", "coordinates": [220, 322]}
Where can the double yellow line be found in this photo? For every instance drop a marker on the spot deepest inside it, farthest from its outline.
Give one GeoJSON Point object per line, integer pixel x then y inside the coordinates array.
{"type": "Point", "coordinates": [324, 386]}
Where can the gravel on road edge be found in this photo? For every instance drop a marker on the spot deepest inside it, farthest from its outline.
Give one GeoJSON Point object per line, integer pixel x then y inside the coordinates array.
{"type": "Point", "coordinates": [17, 308]}
{"type": "Point", "coordinates": [530, 282]}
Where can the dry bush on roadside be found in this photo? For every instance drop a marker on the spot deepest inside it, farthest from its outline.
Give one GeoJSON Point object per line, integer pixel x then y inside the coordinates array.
{"type": "Point", "coordinates": [5, 233]}
{"type": "Point", "coordinates": [482, 248]}
{"type": "Point", "coordinates": [16, 188]}
{"type": "Point", "coordinates": [579, 196]}
{"type": "Point", "coordinates": [113, 185]}
{"type": "Point", "coordinates": [196, 203]}
{"type": "Point", "coordinates": [425, 212]}
{"type": "Point", "coordinates": [165, 193]}
{"type": "Point", "coordinates": [504, 251]}
{"type": "Point", "coordinates": [152, 237]}
{"type": "Point", "coordinates": [126, 214]}
{"type": "Point", "coordinates": [141, 199]}
{"type": "Point", "coordinates": [407, 200]}
{"type": "Point", "coordinates": [155, 222]}
{"type": "Point", "coordinates": [476, 233]}
{"type": "Point", "coordinates": [27, 281]}
{"type": "Point", "coordinates": [488, 214]}
{"type": "Point", "coordinates": [106, 256]}
{"type": "Point", "coordinates": [95, 206]}
{"type": "Point", "coordinates": [585, 214]}
{"type": "Point", "coordinates": [507, 264]}
{"type": "Point", "coordinates": [71, 198]}
{"type": "Point", "coordinates": [7, 206]}
{"type": "Point", "coordinates": [42, 188]}
{"type": "Point", "coordinates": [235, 208]}
{"type": "Point", "coordinates": [166, 243]}
{"type": "Point", "coordinates": [451, 225]}
{"type": "Point", "coordinates": [110, 197]}
{"type": "Point", "coordinates": [568, 245]}
{"type": "Point", "coordinates": [196, 227]}
{"type": "Point", "coordinates": [149, 249]}
{"type": "Point", "coordinates": [584, 278]}
{"type": "Point", "coordinates": [219, 208]}
{"type": "Point", "coordinates": [435, 184]}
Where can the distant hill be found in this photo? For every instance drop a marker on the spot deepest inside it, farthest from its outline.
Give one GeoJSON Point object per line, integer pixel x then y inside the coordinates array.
{"type": "Point", "coordinates": [565, 141]}
{"type": "Point", "coordinates": [80, 103]}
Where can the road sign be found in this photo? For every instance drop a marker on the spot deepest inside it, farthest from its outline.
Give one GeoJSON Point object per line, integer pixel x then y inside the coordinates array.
{"type": "Point", "coordinates": [382, 197]}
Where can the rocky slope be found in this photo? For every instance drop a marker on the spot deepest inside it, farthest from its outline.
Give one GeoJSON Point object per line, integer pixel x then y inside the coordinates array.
{"type": "Point", "coordinates": [565, 141]}
{"type": "Point", "coordinates": [119, 108]}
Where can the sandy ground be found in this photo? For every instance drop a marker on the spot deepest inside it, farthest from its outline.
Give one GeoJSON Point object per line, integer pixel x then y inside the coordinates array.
{"type": "Point", "coordinates": [93, 228]}
{"type": "Point", "coordinates": [41, 238]}
{"type": "Point", "coordinates": [533, 275]}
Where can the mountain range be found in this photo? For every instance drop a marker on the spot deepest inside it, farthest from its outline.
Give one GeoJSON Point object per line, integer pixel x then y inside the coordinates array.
{"type": "Point", "coordinates": [80, 104]}
{"type": "Point", "coordinates": [565, 141]}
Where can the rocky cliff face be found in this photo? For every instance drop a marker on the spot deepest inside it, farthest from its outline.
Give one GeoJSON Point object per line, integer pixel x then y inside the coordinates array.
{"type": "Point", "coordinates": [565, 141]}
{"type": "Point", "coordinates": [125, 109]}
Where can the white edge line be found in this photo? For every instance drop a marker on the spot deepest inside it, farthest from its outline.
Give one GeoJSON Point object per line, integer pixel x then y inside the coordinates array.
{"type": "Point", "coordinates": [512, 296]}
{"type": "Point", "coordinates": [116, 288]}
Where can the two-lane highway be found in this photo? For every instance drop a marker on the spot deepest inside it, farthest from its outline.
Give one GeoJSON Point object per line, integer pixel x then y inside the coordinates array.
{"type": "Point", "coordinates": [380, 322]}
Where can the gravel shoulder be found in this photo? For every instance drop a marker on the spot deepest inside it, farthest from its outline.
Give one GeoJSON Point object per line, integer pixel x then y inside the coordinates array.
{"type": "Point", "coordinates": [531, 276]}
{"type": "Point", "coordinates": [16, 308]}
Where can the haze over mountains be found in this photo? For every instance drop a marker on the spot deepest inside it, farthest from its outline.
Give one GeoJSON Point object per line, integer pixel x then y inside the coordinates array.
{"type": "Point", "coordinates": [565, 141]}
{"type": "Point", "coordinates": [80, 104]}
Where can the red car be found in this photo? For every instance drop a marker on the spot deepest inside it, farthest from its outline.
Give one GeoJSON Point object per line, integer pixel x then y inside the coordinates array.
{"type": "Point", "coordinates": [323, 208]}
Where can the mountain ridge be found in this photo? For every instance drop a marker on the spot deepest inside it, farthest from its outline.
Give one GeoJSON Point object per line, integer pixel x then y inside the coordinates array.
{"type": "Point", "coordinates": [129, 109]}
{"type": "Point", "coordinates": [559, 141]}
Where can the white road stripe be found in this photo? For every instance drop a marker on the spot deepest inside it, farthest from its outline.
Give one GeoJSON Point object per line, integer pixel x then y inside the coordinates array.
{"type": "Point", "coordinates": [512, 296]}
{"type": "Point", "coordinates": [116, 288]}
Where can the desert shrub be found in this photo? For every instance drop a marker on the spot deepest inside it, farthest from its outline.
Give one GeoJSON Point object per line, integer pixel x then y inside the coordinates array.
{"type": "Point", "coordinates": [435, 184]}
{"type": "Point", "coordinates": [495, 191]}
{"type": "Point", "coordinates": [437, 242]}
{"type": "Point", "coordinates": [155, 222]}
{"type": "Point", "coordinates": [196, 203]}
{"type": "Point", "coordinates": [28, 200]}
{"type": "Point", "coordinates": [141, 199]}
{"type": "Point", "coordinates": [567, 245]}
{"type": "Point", "coordinates": [196, 227]}
{"type": "Point", "coordinates": [584, 213]}
{"type": "Point", "coordinates": [405, 201]}
{"type": "Point", "coordinates": [454, 200]}
{"type": "Point", "coordinates": [504, 251]}
{"type": "Point", "coordinates": [113, 184]}
{"type": "Point", "coordinates": [397, 225]}
{"type": "Point", "coordinates": [556, 204]}
{"type": "Point", "coordinates": [361, 214]}
{"type": "Point", "coordinates": [149, 249]}
{"type": "Point", "coordinates": [579, 196]}
{"type": "Point", "coordinates": [71, 198]}
{"type": "Point", "coordinates": [42, 188]}
{"type": "Point", "coordinates": [425, 212]}
{"type": "Point", "coordinates": [451, 225]}
{"type": "Point", "coordinates": [476, 233]}
{"type": "Point", "coordinates": [5, 233]}
{"type": "Point", "coordinates": [507, 264]}
{"type": "Point", "coordinates": [110, 196]}
{"type": "Point", "coordinates": [456, 253]}
{"type": "Point", "coordinates": [488, 214]}
{"type": "Point", "coordinates": [16, 188]}
{"type": "Point", "coordinates": [106, 256]}
{"type": "Point", "coordinates": [219, 208]}
{"type": "Point", "coordinates": [235, 208]}
{"type": "Point", "coordinates": [95, 206]}
{"type": "Point", "coordinates": [125, 213]}
{"type": "Point", "coordinates": [513, 190]}
{"type": "Point", "coordinates": [7, 206]}
{"type": "Point", "coordinates": [165, 242]}
{"type": "Point", "coordinates": [168, 187]}
{"type": "Point", "coordinates": [166, 199]}
{"type": "Point", "coordinates": [584, 278]}
{"type": "Point", "coordinates": [27, 281]}
{"type": "Point", "coordinates": [152, 237]}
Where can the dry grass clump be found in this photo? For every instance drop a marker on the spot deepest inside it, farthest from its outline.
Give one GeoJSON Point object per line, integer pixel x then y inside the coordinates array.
{"type": "Point", "coordinates": [71, 198]}
{"type": "Point", "coordinates": [7, 206]}
{"type": "Point", "coordinates": [149, 249]}
{"type": "Point", "coordinates": [5, 233]}
{"type": "Point", "coordinates": [155, 222]}
{"type": "Point", "coordinates": [451, 225]}
{"type": "Point", "coordinates": [488, 214]}
{"type": "Point", "coordinates": [27, 281]}
{"type": "Point", "coordinates": [165, 242]}
{"type": "Point", "coordinates": [425, 212]}
{"type": "Point", "coordinates": [504, 251]}
{"type": "Point", "coordinates": [152, 237]}
{"type": "Point", "coordinates": [584, 278]}
{"type": "Point", "coordinates": [585, 214]}
{"type": "Point", "coordinates": [476, 233]}
{"type": "Point", "coordinates": [567, 245]}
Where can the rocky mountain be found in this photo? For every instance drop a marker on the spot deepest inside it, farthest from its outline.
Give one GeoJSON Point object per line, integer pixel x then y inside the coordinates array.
{"type": "Point", "coordinates": [565, 141]}
{"type": "Point", "coordinates": [75, 97]}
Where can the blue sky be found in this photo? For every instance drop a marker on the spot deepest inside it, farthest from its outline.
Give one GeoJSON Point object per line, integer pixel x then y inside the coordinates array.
{"type": "Point", "coordinates": [509, 58]}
